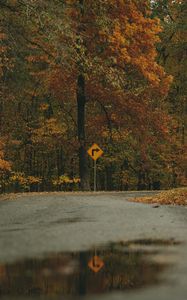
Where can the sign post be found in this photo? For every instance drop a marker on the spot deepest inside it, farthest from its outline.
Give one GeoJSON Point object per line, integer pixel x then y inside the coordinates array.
{"type": "Point", "coordinates": [95, 175]}
{"type": "Point", "coordinates": [95, 152]}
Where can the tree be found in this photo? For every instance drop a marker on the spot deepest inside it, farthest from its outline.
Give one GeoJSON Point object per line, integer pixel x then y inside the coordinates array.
{"type": "Point", "coordinates": [115, 46]}
{"type": "Point", "coordinates": [97, 63]}
{"type": "Point", "coordinates": [172, 55]}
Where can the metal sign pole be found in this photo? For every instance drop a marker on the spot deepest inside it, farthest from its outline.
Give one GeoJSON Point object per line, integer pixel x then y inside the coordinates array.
{"type": "Point", "coordinates": [95, 175]}
{"type": "Point", "coordinates": [95, 152]}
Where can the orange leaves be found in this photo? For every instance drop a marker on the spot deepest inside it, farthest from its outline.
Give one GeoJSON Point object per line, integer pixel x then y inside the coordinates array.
{"type": "Point", "coordinates": [119, 42]}
{"type": "Point", "coordinates": [3, 36]}
{"type": "Point", "coordinates": [171, 197]}
{"type": "Point", "coordinates": [62, 83]}
{"type": "Point", "coordinates": [4, 165]}
{"type": "Point", "coordinates": [133, 41]}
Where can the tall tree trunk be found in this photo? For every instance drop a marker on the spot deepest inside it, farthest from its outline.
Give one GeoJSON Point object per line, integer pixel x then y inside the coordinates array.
{"type": "Point", "coordinates": [83, 159]}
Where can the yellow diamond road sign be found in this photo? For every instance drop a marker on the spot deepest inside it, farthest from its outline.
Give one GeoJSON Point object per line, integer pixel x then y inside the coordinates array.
{"type": "Point", "coordinates": [95, 151]}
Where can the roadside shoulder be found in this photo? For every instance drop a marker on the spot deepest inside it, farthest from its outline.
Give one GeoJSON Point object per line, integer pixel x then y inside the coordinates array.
{"type": "Point", "coordinates": [176, 196]}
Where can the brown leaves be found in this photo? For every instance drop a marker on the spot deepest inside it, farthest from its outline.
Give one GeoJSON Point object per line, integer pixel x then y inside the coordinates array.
{"type": "Point", "coordinates": [171, 197]}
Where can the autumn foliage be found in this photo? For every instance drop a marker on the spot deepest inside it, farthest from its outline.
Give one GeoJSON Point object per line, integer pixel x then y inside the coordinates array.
{"type": "Point", "coordinates": [122, 102]}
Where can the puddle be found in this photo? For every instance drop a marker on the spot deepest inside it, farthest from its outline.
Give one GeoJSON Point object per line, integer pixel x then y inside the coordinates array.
{"type": "Point", "coordinates": [115, 267]}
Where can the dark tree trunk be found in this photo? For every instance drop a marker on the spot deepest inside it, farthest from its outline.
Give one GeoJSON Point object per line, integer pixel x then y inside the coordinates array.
{"type": "Point", "coordinates": [141, 181]}
{"type": "Point", "coordinates": [83, 159]}
{"type": "Point", "coordinates": [82, 287]}
{"type": "Point", "coordinates": [109, 179]}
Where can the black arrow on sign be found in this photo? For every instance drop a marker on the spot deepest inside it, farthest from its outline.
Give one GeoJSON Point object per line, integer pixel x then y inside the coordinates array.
{"type": "Point", "coordinates": [94, 150]}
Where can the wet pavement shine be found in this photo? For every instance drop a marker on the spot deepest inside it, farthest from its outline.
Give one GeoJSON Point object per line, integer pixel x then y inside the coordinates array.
{"type": "Point", "coordinates": [38, 259]}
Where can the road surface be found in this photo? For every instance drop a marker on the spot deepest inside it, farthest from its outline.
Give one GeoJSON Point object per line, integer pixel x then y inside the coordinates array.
{"type": "Point", "coordinates": [32, 226]}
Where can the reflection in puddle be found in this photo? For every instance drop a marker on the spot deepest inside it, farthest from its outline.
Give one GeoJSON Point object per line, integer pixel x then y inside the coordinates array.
{"type": "Point", "coordinates": [69, 274]}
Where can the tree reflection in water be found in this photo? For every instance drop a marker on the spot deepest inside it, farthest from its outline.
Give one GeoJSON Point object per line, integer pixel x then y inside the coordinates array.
{"type": "Point", "coordinates": [67, 274]}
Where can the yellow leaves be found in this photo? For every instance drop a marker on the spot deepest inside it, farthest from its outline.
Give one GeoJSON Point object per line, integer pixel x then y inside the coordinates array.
{"type": "Point", "coordinates": [54, 128]}
{"type": "Point", "coordinates": [117, 135]}
{"type": "Point", "coordinates": [19, 178]}
{"type": "Point", "coordinates": [33, 180]}
{"type": "Point", "coordinates": [170, 197]}
{"type": "Point", "coordinates": [4, 165]}
{"type": "Point", "coordinates": [62, 180]}
{"type": "Point", "coordinates": [23, 180]}
{"type": "Point", "coordinates": [50, 131]}
{"type": "Point", "coordinates": [76, 180]}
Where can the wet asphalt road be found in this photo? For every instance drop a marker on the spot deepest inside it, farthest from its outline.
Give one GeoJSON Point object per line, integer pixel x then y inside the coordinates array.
{"type": "Point", "coordinates": [34, 225]}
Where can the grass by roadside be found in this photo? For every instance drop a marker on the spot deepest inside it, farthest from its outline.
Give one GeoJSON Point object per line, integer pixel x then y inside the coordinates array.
{"type": "Point", "coordinates": [176, 196]}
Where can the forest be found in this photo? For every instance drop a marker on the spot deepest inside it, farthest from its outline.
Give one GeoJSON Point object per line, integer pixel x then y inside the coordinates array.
{"type": "Point", "coordinates": [78, 72]}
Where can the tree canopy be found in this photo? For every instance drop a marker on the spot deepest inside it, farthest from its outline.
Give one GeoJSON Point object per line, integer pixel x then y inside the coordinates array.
{"type": "Point", "coordinates": [77, 72]}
